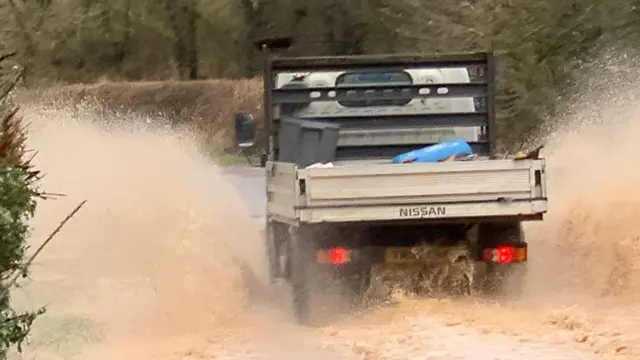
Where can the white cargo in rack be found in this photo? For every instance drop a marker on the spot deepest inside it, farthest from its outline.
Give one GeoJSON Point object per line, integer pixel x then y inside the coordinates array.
{"type": "Point", "coordinates": [377, 192]}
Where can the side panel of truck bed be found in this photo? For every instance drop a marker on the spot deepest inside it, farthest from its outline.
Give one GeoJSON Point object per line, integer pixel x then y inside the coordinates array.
{"type": "Point", "coordinates": [281, 191]}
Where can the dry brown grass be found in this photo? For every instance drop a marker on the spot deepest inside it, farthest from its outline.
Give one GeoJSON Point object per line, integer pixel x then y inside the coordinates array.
{"type": "Point", "coordinates": [207, 105]}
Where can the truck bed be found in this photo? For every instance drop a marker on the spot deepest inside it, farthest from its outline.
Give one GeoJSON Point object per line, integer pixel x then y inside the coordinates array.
{"type": "Point", "coordinates": [379, 192]}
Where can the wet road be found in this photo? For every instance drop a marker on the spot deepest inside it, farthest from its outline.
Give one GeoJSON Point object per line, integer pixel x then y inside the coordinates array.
{"type": "Point", "coordinates": [250, 183]}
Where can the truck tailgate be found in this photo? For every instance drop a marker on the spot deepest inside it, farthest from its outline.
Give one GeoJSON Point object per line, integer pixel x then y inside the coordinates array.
{"type": "Point", "coordinates": [485, 188]}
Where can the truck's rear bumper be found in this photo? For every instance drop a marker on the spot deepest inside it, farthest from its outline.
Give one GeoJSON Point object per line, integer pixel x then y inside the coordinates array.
{"type": "Point", "coordinates": [359, 257]}
{"type": "Point", "coordinates": [444, 211]}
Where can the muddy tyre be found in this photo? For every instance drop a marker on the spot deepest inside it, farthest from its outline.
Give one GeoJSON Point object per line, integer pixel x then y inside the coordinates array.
{"type": "Point", "coordinates": [301, 291]}
{"type": "Point", "coordinates": [305, 282]}
{"type": "Point", "coordinates": [502, 281]}
{"type": "Point", "coordinates": [272, 253]}
{"type": "Point", "coordinates": [317, 290]}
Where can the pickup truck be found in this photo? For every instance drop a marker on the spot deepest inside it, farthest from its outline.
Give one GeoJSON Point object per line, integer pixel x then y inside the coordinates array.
{"type": "Point", "coordinates": [338, 208]}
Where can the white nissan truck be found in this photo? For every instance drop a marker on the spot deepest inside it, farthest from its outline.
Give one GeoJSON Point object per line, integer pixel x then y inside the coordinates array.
{"type": "Point", "coordinates": [338, 209]}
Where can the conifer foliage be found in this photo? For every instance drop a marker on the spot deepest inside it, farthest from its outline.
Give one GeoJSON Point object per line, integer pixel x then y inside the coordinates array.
{"type": "Point", "coordinates": [18, 198]}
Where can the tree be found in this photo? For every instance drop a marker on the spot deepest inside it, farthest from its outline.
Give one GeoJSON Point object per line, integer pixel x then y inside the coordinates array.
{"type": "Point", "coordinates": [183, 20]}
{"type": "Point", "coordinates": [540, 46]}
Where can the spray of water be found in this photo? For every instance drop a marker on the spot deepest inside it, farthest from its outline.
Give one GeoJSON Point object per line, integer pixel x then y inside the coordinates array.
{"type": "Point", "coordinates": [589, 245]}
{"type": "Point", "coordinates": [584, 267]}
{"type": "Point", "coordinates": [133, 272]}
{"type": "Point", "coordinates": [163, 262]}
{"type": "Point", "coordinates": [149, 258]}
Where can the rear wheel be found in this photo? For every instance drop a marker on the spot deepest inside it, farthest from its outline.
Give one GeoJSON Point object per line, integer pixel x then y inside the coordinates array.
{"type": "Point", "coordinates": [501, 280]}
{"type": "Point", "coordinates": [301, 273]}
{"type": "Point", "coordinates": [272, 252]}
{"type": "Point", "coordinates": [308, 281]}
{"type": "Point", "coordinates": [321, 292]}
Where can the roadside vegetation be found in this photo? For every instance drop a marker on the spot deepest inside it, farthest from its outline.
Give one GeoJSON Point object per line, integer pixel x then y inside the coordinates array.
{"type": "Point", "coordinates": [541, 46]}
{"type": "Point", "coordinates": [18, 195]}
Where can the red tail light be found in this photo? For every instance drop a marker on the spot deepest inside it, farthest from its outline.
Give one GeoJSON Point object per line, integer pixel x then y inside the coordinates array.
{"type": "Point", "coordinates": [336, 256]}
{"type": "Point", "coordinates": [505, 254]}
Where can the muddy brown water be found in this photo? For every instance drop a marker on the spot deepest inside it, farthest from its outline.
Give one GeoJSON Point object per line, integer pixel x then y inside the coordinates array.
{"type": "Point", "coordinates": [149, 269]}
